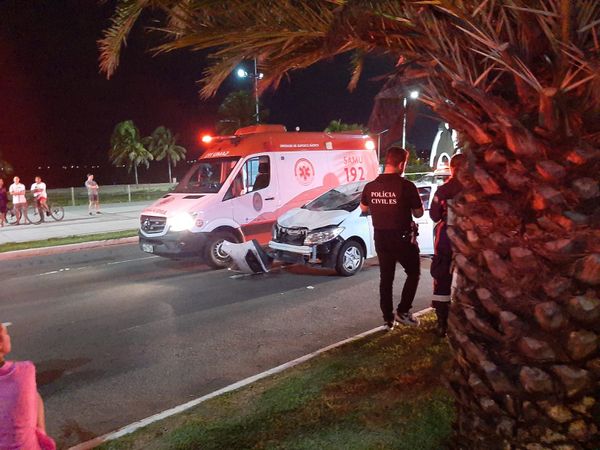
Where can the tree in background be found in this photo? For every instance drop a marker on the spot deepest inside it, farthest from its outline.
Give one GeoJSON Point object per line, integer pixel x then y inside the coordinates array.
{"type": "Point", "coordinates": [338, 125]}
{"type": "Point", "coordinates": [519, 80]}
{"type": "Point", "coordinates": [415, 163]}
{"type": "Point", "coordinates": [5, 166]}
{"type": "Point", "coordinates": [238, 110]}
{"type": "Point", "coordinates": [162, 144]}
{"type": "Point", "coordinates": [127, 148]}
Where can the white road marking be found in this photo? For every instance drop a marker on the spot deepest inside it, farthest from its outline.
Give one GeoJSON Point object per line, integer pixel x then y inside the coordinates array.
{"type": "Point", "coordinates": [131, 260]}
{"type": "Point", "coordinates": [66, 269]}
{"type": "Point", "coordinates": [128, 429]}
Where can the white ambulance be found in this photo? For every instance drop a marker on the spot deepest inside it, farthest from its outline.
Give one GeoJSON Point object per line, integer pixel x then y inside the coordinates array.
{"type": "Point", "coordinates": [242, 183]}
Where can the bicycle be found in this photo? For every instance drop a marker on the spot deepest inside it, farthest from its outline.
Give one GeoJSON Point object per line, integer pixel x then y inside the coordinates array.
{"type": "Point", "coordinates": [36, 215]}
{"type": "Point", "coordinates": [11, 215]}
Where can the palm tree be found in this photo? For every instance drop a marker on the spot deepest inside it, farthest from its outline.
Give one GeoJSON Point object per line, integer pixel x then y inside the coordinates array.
{"type": "Point", "coordinates": [519, 80]}
{"type": "Point", "coordinates": [238, 110]}
{"type": "Point", "coordinates": [127, 148]}
{"type": "Point", "coordinates": [338, 125]}
{"type": "Point", "coordinates": [5, 166]}
{"type": "Point", "coordinates": [162, 144]}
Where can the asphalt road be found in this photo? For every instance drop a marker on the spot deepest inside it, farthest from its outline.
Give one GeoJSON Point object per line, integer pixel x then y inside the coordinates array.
{"type": "Point", "coordinates": [118, 335]}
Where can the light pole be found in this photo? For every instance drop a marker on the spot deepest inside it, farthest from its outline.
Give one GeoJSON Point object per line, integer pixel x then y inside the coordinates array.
{"type": "Point", "coordinates": [413, 95]}
{"type": "Point", "coordinates": [379, 143]}
{"type": "Point", "coordinates": [256, 76]}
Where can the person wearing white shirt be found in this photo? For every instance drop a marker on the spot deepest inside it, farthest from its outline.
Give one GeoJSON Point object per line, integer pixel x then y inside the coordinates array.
{"type": "Point", "coordinates": [17, 190]}
{"type": "Point", "coordinates": [40, 196]}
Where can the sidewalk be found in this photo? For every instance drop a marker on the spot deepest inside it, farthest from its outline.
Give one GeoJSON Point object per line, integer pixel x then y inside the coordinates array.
{"type": "Point", "coordinates": [77, 222]}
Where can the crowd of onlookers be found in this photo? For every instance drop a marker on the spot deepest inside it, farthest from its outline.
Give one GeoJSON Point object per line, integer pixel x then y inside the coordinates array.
{"type": "Point", "coordinates": [17, 193]}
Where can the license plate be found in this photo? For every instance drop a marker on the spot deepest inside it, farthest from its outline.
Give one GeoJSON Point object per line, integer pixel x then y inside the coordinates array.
{"type": "Point", "coordinates": [148, 248]}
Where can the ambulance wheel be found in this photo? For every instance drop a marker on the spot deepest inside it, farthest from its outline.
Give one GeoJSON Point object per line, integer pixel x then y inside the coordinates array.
{"type": "Point", "coordinates": [350, 259]}
{"type": "Point", "coordinates": [213, 255]}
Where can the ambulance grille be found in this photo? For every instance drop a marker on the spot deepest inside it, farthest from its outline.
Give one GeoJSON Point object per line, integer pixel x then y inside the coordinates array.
{"type": "Point", "coordinates": [152, 224]}
{"type": "Point", "coordinates": [293, 236]}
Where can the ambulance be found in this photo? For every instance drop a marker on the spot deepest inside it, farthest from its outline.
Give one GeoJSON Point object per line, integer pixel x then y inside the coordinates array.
{"type": "Point", "coordinates": [242, 183]}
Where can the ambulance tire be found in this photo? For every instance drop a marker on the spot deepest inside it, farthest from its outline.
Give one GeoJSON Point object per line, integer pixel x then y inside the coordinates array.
{"type": "Point", "coordinates": [350, 258]}
{"type": "Point", "coordinates": [213, 256]}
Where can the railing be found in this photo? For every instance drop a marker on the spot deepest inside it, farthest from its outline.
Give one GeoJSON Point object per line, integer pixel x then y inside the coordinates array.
{"type": "Point", "coordinates": [119, 193]}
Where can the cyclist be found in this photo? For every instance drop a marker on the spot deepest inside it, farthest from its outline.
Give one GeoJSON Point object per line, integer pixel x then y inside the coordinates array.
{"type": "Point", "coordinates": [40, 196]}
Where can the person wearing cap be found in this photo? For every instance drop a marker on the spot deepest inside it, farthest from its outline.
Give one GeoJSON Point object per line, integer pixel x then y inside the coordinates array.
{"type": "Point", "coordinates": [22, 421]}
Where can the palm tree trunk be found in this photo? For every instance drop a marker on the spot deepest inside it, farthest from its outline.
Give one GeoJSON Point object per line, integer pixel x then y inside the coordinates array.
{"type": "Point", "coordinates": [524, 324]}
{"type": "Point", "coordinates": [136, 174]}
{"type": "Point", "coordinates": [169, 164]}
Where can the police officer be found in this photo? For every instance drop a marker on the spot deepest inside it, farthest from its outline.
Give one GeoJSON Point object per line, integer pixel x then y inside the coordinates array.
{"type": "Point", "coordinates": [442, 259]}
{"type": "Point", "coordinates": [392, 201]}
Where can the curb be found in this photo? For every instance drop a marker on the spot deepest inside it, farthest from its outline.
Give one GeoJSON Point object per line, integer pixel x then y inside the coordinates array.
{"type": "Point", "coordinates": [52, 250]}
{"type": "Point", "coordinates": [128, 429]}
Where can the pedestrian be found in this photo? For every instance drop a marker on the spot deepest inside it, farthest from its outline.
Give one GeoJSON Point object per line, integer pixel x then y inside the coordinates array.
{"type": "Point", "coordinates": [40, 196]}
{"type": "Point", "coordinates": [17, 190]}
{"type": "Point", "coordinates": [92, 189]}
{"type": "Point", "coordinates": [441, 270]}
{"type": "Point", "coordinates": [22, 420]}
{"type": "Point", "coordinates": [3, 203]}
{"type": "Point", "coordinates": [392, 201]}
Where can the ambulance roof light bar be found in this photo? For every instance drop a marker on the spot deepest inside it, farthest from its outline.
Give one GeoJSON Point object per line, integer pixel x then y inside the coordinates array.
{"type": "Point", "coordinates": [207, 139]}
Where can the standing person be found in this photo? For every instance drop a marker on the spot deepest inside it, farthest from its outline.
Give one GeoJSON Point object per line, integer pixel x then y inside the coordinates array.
{"type": "Point", "coordinates": [38, 189]}
{"type": "Point", "coordinates": [442, 259]}
{"type": "Point", "coordinates": [392, 201]}
{"type": "Point", "coordinates": [17, 190]}
{"type": "Point", "coordinates": [92, 189]}
{"type": "Point", "coordinates": [3, 203]}
{"type": "Point", "coordinates": [22, 421]}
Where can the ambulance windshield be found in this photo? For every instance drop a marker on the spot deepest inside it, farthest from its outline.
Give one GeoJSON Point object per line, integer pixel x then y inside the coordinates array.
{"type": "Point", "coordinates": [207, 176]}
{"type": "Point", "coordinates": [346, 197]}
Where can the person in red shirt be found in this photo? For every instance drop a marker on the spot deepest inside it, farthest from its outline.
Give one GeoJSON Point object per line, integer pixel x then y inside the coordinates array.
{"type": "Point", "coordinates": [392, 202]}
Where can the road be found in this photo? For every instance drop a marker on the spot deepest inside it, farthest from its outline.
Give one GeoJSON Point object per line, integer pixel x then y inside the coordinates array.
{"type": "Point", "coordinates": [118, 335]}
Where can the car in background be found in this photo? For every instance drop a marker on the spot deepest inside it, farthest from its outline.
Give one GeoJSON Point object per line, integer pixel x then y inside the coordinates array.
{"type": "Point", "coordinates": [437, 177]}
{"type": "Point", "coordinates": [331, 232]}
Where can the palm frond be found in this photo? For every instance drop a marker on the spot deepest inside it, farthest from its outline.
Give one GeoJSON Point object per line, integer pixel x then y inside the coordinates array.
{"type": "Point", "coordinates": [115, 36]}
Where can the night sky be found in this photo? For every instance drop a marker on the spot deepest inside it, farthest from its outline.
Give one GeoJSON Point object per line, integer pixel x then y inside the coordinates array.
{"type": "Point", "coordinates": [58, 110]}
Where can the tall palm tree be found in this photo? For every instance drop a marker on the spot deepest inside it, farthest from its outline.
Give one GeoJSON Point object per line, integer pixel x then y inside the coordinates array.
{"type": "Point", "coordinates": [163, 145]}
{"type": "Point", "coordinates": [238, 110]}
{"type": "Point", "coordinates": [127, 148]}
{"type": "Point", "coordinates": [520, 81]}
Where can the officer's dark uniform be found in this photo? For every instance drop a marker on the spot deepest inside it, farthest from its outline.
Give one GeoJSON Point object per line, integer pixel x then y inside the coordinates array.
{"type": "Point", "coordinates": [442, 260]}
{"type": "Point", "coordinates": [390, 199]}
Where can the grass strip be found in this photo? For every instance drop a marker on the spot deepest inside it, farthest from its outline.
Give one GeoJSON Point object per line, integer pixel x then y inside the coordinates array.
{"type": "Point", "coordinates": [12, 246]}
{"type": "Point", "coordinates": [382, 392]}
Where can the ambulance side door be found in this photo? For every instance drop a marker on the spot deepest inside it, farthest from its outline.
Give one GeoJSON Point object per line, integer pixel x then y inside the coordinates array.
{"type": "Point", "coordinates": [253, 196]}
{"type": "Point", "coordinates": [426, 225]}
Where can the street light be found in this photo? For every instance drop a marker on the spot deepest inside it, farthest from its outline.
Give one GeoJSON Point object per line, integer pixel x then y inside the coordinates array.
{"type": "Point", "coordinates": [256, 76]}
{"type": "Point", "coordinates": [413, 95]}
